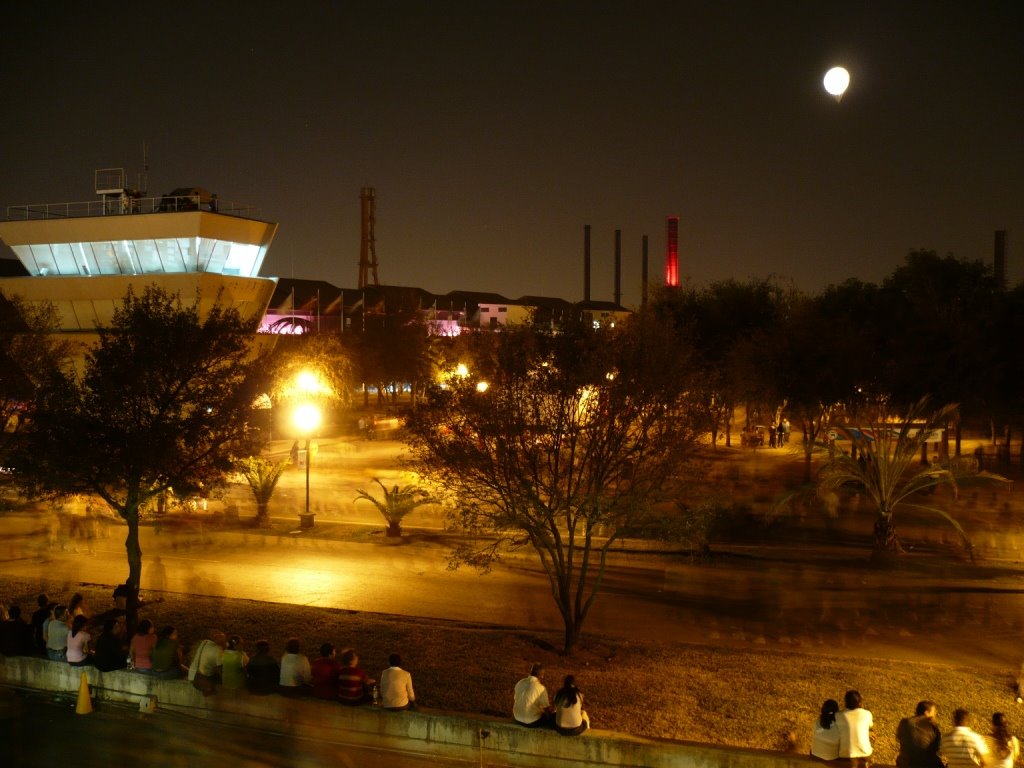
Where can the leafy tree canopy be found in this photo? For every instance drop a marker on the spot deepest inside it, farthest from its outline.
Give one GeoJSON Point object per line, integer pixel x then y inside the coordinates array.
{"type": "Point", "coordinates": [163, 403]}
{"type": "Point", "coordinates": [559, 442]}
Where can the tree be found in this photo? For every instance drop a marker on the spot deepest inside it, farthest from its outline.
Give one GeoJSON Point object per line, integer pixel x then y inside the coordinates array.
{"type": "Point", "coordinates": [945, 310]}
{"type": "Point", "coordinates": [558, 441]}
{"type": "Point", "coordinates": [162, 404]}
{"type": "Point", "coordinates": [886, 470]}
{"type": "Point", "coordinates": [398, 502]}
{"type": "Point", "coordinates": [30, 351]}
{"type": "Point", "coordinates": [262, 476]}
{"type": "Point", "coordinates": [728, 324]}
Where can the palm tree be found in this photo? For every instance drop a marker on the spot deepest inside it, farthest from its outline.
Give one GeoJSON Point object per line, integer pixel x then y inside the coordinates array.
{"type": "Point", "coordinates": [262, 476]}
{"type": "Point", "coordinates": [398, 502]}
{"type": "Point", "coordinates": [887, 470]}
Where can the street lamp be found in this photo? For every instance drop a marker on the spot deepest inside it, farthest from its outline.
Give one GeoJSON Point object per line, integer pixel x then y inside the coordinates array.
{"type": "Point", "coordinates": [306, 418]}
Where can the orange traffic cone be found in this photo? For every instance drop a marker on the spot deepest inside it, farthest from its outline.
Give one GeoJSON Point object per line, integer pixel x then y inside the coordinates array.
{"type": "Point", "coordinates": [84, 705]}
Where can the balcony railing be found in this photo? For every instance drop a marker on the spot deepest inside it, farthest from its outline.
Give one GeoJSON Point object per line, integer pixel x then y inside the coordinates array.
{"type": "Point", "coordinates": [128, 206]}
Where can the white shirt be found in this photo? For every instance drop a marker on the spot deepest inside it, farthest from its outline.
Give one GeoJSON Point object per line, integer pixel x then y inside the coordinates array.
{"type": "Point", "coordinates": [531, 699]}
{"type": "Point", "coordinates": [825, 744]}
{"type": "Point", "coordinates": [570, 716]}
{"type": "Point", "coordinates": [854, 732]}
{"type": "Point", "coordinates": [295, 670]}
{"type": "Point", "coordinates": [209, 658]}
{"type": "Point", "coordinates": [396, 688]}
{"type": "Point", "coordinates": [963, 748]}
{"type": "Point", "coordinates": [57, 635]}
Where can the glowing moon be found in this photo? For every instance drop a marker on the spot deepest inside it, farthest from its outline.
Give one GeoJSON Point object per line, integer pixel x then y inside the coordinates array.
{"type": "Point", "coordinates": [837, 80]}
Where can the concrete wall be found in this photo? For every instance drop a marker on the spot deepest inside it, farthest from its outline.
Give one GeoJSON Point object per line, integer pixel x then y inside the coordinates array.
{"type": "Point", "coordinates": [424, 731]}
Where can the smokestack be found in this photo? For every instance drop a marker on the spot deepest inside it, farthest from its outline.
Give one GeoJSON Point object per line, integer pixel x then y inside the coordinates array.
{"type": "Point", "coordinates": [586, 262]}
{"type": "Point", "coordinates": [672, 251]}
{"type": "Point", "coordinates": [643, 271]}
{"type": "Point", "coordinates": [999, 260]}
{"type": "Point", "coordinates": [618, 267]}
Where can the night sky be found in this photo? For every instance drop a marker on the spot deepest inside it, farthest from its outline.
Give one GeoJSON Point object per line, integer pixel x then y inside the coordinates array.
{"type": "Point", "coordinates": [493, 132]}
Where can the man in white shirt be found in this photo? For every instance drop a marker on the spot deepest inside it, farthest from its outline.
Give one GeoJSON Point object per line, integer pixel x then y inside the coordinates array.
{"type": "Point", "coordinates": [296, 674]}
{"type": "Point", "coordinates": [854, 724]}
{"type": "Point", "coordinates": [531, 707]}
{"type": "Point", "coordinates": [962, 747]}
{"type": "Point", "coordinates": [396, 686]}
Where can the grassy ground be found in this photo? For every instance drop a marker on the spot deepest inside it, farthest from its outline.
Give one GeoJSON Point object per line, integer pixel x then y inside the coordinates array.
{"type": "Point", "coordinates": [752, 698]}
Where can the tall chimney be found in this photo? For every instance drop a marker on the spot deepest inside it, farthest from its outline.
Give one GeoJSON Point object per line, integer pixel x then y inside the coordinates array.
{"type": "Point", "coordinates": [643, 271]}
{"type": "Point", "coordinates": [672, 251]}
{"type": "Point", "coordinates": [618, 267]}
{"type": "Point", "coordinates": [586, 262]}
{"type": "Point", "coordinates": [999, 260]}
{"type": "Point", "coordinates": [367, 243]}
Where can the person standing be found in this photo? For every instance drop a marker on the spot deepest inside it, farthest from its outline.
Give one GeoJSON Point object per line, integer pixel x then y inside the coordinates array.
{"type": "Point", "coordinates": [919, 738]}
{"type": "Point", "coordinates": [530, 704]}
{"type": "Point", "coordinates": [1005, 746]}
{"type": "Point", "coordinates": [855, 724]}
{"type": "Point", "coordinates": [396, 691]}
{"type": "Point", "coordinates": [962, 747]}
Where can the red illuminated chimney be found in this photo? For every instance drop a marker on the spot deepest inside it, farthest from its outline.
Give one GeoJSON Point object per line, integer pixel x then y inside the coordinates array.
{"type": "Point", "coordinates": [672, 251]}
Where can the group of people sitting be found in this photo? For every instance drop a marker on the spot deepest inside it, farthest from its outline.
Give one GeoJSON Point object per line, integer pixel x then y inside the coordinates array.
{"type": "Point", "coordinates": [62, 633]}
{"type": "Point", "coordinates": [222, 660]}
{"type": "Point", "coordinates": [844, 736]}
{"type": "Point", "coordinates": [532, 708]}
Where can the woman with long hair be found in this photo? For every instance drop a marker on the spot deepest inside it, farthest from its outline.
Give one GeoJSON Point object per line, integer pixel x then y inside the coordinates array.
{"type": "Point", "coordinates": [1005, 746]}
{"type": "Point", "coordinates": [825, 742]}
{"type": "Point", "coordinates": [78, 653]}
{"type": "Point", "coordinates": [570, 718]}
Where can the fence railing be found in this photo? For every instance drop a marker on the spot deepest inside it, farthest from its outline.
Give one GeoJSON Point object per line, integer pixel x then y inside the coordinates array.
{"type": "Point", "coordinates": [127, 206]}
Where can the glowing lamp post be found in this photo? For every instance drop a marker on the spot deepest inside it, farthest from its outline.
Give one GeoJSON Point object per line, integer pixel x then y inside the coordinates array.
{"type": "Point", "coordinates": [306, 418]}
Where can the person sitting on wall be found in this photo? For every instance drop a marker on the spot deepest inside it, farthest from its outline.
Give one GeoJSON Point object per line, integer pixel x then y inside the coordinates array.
{"type": "Point", "coordinates": [570, 717]}
{"type": "Point", "coordinates": [167, 655]}
{"type": "Point", "coordinates": [263, 670]}
{"type": "Point", "coordinates": [39, 617]}
{"type": "Point", "coordinates": [15, 635]}
{"type": "Point", "coordinates": [396, 691]}
{"type": "Point", "coordinates": [325, 673]}
{"type": "Point", "coordinates": [110, 651]}
{"type": "Point", "coordinates": [204, 671]}
{"type": "Point", "coordinates": [78, 652]}
{"type": "Point", "coordinates": [295, 671]}
{"type": "Point", "coordinates": [353, 684]}
{"type": "Point", "coordinates": [530, 706]}
{"type": "Point", "coordinates": [140, 649]}
{"type": "Point", "coordinates": [55, 630]}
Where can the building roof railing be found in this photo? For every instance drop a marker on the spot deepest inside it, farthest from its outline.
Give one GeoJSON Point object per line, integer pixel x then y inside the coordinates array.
{"type": "Point", "coordinates": [127, 205]}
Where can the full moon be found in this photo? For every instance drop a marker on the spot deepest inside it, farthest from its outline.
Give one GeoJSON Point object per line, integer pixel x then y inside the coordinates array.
{"type": "Point", "coordinates": [837, 80]}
